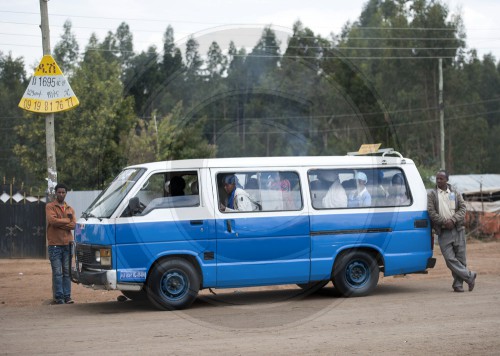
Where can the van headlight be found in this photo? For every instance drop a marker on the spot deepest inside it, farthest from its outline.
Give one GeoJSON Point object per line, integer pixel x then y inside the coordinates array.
{"type": "Point", "coordinates": [103, 256]}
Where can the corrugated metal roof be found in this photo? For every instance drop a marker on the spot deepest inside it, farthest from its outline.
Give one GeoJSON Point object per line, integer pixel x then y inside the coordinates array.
{"type": "Point", "coordinates": [475, 183]}
{"type": "Point", "coordinates": [487, 207]}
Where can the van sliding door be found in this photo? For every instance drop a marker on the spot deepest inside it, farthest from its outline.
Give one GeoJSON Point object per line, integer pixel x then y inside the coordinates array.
{"type": "Point", "coordinates": [262, 230]}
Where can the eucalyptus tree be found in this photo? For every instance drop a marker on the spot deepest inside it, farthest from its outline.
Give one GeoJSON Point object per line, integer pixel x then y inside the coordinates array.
{"type": "Point", "coordinates": [172, 56]}
{"type": "Point", "coordinates": [13, 83]}
{"type": "Point", "coordinates": [67, 50]}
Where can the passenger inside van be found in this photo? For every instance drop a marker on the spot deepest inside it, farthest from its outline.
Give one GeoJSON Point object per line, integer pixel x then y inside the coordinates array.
{"type": "Point", "coordinates": [360, 197]}
{"type": "Point", "coordinates": [319, 187]}
{"type": "Point", "coordinates": [379, 190]}
{"type": "Point", "coordinates": [397, 192]}
{"type": "Point", "coordinates": [237, 198]}
{"type": "Point", "coordinates": [336, 196]}
{"type": "Point", "coordinates": [177, 185]}
{"type": "Point", "coordinates": [277, 183]}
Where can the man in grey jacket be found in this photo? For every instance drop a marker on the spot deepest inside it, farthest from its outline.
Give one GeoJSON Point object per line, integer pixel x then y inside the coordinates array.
{"type": "Point", "coordinates": [446, 210]}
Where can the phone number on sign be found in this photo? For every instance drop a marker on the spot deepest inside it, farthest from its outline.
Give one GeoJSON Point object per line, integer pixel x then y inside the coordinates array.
{"type": "Point", "coordinates": [48, 106]}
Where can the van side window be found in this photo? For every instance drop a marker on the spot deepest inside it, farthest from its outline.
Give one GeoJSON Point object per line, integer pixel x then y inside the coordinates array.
{"type": "Point", "coordinates": [168, 190]}
{"type": "Point", "coordinates": [259, 191]}
{"type": "Point", "coordinates": [358, 188]}
{"type": "Point", "coordinates": [399, 192]}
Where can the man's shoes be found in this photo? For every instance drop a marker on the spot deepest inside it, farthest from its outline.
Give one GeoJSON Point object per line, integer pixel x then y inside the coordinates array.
{"type": "Point", "coordinates": [472, 281]}
{"type": "Point", "coordinates": [57, 302]}
{"type": "Point", "coordinates": [69, 301]}
{"type": "Point", "coordinates": [458, 289]}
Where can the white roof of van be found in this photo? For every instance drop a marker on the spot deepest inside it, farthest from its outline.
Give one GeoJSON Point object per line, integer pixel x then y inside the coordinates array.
{"type": "Point", "coordinates": [242, 162]}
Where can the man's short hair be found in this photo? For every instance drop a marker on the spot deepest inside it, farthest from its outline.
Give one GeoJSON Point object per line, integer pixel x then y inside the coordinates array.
{"type": "Point", "coordinates": [61, 185]}
{"type": "Point", "coordinates": [445, 172]}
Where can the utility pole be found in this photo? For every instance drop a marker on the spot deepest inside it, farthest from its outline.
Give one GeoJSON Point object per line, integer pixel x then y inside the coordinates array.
{"type": "Point", "coordinates": [49, 118]}
{"type": "Point", "coordinates": [441, 112]}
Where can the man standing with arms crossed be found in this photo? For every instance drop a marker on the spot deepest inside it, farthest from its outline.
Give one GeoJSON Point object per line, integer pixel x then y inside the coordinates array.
{"type": "Point", "coordinates": [61, 220]}
{"type": "Point", "coordinates": [446, 209]}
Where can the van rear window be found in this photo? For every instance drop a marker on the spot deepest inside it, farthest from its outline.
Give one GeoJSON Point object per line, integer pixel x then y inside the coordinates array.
{"type": "Point", "coordinates": [358, 188]}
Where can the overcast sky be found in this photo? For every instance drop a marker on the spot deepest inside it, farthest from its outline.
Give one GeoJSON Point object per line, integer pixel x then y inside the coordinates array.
{"type": "Point", "coordinates": [221, 20]}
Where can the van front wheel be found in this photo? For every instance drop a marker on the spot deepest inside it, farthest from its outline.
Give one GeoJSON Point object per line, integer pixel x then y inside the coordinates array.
{"type": "Point", "coordinates": [173, 284]}
{"type": "Point", "coordinates": [355, 273]}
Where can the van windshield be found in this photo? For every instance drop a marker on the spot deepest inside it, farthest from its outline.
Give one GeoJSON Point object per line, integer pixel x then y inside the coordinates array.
{"type": "Point", "coordinates": [109, 199]}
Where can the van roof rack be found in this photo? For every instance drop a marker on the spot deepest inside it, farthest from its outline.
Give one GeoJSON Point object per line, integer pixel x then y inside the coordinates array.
{"type": "Point", "coordinates": [374, 150]}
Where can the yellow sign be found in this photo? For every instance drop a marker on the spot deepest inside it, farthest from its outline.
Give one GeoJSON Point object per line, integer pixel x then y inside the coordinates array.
{"type": "Point", "coordinates": [48, 90]}
{"type": "Point", "coordinates": [369, 148]}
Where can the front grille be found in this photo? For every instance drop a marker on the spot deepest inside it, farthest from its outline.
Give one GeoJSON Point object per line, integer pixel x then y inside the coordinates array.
{"type": "Point", "coordinates": [85, 255]}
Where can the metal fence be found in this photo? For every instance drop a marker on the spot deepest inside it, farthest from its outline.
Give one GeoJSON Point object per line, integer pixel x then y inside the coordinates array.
{"type": "Point", "coordinates": [23, 223]}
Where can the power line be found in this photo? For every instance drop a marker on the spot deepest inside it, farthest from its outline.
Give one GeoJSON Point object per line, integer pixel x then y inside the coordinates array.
{"type": "Point", "coordinates": [280, 56]}
{"type": "Point", "coordinates": [288, 46]}
{"type": "Point", "coordinates": [342, 116]}
{"type": "Point", "coordinates": [302, 37]}
{"type": "Point", "coordinates": [124, 19]}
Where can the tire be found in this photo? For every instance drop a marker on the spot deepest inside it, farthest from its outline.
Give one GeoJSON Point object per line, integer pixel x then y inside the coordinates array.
{"type": "Point", "coordinates": [313, 286]}
{"type": "Point", "coordinates": [139, 295]}
{"type": "Point", "coordinates": [355, 273]}
{"type": "Point", "coordinates": [173, 284]}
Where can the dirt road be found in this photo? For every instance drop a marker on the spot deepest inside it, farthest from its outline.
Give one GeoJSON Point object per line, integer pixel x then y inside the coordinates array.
{"type": "Point", "coordinates": [414, 315]}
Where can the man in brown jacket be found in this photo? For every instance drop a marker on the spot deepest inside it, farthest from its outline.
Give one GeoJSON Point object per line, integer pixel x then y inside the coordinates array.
{"type": "Point", "coordinates": [446, 209]}
{"type": "Point", "coordinates": [61, 220]}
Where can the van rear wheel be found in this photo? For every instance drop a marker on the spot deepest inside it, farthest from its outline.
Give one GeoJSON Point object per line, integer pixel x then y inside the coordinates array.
{"type": "Point", "coordinates": [173, 284]}
{"type": "Point", "coordinates": [355, 273]}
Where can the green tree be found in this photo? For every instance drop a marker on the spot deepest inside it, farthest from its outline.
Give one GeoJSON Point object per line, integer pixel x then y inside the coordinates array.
{"type": "Point", "coordinates": [172, 57]}
{"type": "Point", "coordinates": [194, 62]}
{"type": "Point", "coordinates": [66, 51]}
{"type": "Point", "coordinates": [396, 45]}
{"type": "Point", "coordinates": [264, 57]}
{"type": "Point", "coordinates": [125, 45]}
{"type": "Point", "coordinates": [118, 46]}
{"type": "Point", "coordinates": [13, 83]}
{"type": "Point", "coordinates": [216, 61]}
{"type": "Point", "coordinates": [142, 80]}
{"type": "Point", "coordinates": [141, 144]}
{"type": "Point", "coordinates": [182, 138]}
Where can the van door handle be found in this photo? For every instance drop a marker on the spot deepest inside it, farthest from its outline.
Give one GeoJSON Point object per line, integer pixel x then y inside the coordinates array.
{"type": "Point", "coordinates": [196, 222]}
{"type": "Point", "coordinates": [228, 226]}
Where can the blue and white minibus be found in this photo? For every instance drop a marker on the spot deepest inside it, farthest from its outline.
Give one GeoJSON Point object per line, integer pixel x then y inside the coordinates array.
{"type": "Point", "coordinates": [161, 230]}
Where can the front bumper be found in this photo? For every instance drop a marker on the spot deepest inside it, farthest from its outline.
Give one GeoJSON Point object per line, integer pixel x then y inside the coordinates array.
{"type": "Point", "coordinates": [98, 279]}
